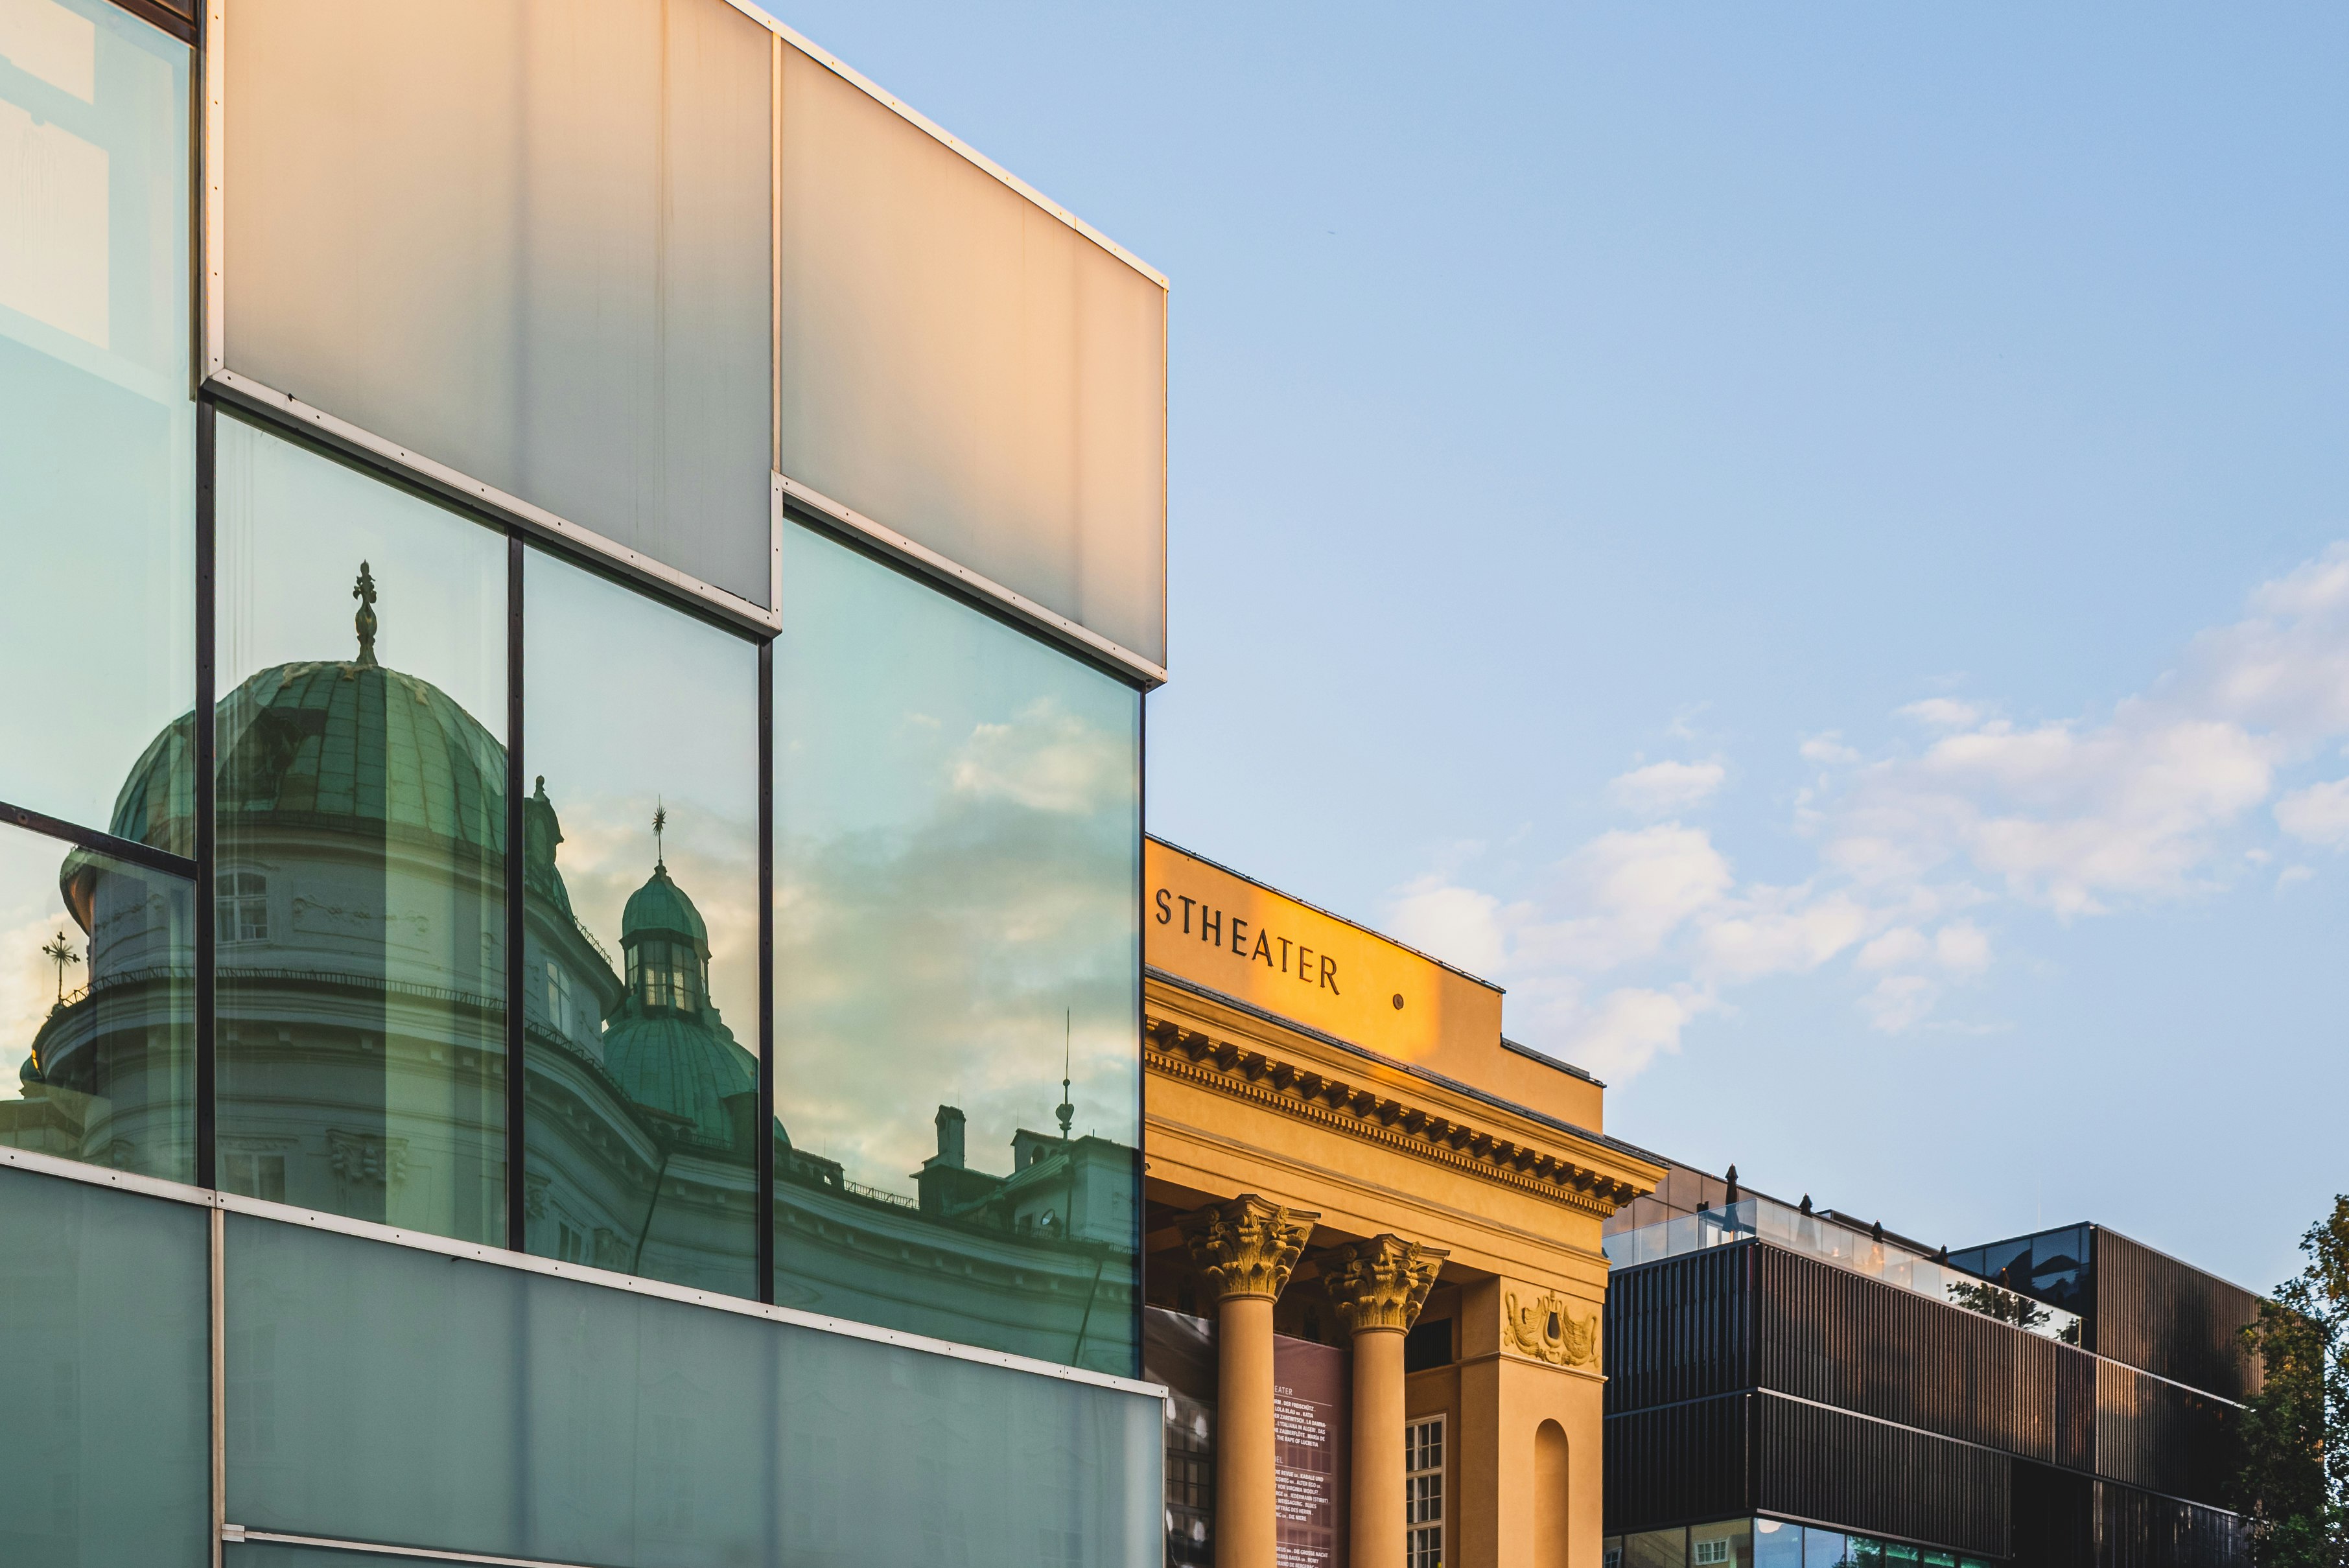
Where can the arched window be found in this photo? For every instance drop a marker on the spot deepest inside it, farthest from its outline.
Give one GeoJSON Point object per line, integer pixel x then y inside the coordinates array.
{"type": "Point", "coordinates": [1549, 1495]}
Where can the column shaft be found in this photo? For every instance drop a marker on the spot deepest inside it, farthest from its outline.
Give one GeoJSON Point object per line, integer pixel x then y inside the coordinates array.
{"type": "Point", "coordinates": [1376, 1505]}
{"type": "Point", "coordinates": [1246, 1535]}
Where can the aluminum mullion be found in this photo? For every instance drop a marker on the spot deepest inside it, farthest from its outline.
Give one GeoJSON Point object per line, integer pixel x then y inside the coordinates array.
{"type": "Point", "coordinates": [206, 738]}
{"type": "Point", "coordinates": [763, 1116]}
{"type": "Point", "coordinates": [517, 907]}
{"type": "Point", "coordinates": [238, 1534]}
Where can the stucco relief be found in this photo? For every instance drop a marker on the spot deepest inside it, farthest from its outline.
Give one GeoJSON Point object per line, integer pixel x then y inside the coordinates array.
{"type": "Point", "coordinates": [1547, 1331]}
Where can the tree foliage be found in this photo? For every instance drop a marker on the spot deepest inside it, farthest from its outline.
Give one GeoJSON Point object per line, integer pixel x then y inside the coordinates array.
{"type": "Point", "coordinates": [2293, 1487]}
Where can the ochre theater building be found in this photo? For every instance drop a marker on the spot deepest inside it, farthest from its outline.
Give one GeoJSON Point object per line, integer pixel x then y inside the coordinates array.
{"type": "Point", "coordinates": [1374, 1275]}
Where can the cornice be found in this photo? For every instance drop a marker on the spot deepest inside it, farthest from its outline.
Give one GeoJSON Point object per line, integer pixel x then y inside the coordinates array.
{"type": "Point", "coordinates": [1356, 1110]}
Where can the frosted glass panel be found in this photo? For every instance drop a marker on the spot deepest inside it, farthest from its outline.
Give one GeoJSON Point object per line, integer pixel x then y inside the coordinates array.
{"type": "Point", "coordinates": [103, 1306]}
{"type": "Point", "coordinates": [563, 1420]}
{"type": "Point", "coordinates": [529, 239]}
{"type": "Point", "coordinates": [96, 428]}
{"type": "Point", "coordinates": [962, 366]}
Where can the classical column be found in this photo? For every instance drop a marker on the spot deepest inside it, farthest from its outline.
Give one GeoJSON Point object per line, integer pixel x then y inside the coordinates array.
{"type": "Point", "coordinates": [1378, 1287]}
{"type": "Point", "coordinates": [1245, 1250]}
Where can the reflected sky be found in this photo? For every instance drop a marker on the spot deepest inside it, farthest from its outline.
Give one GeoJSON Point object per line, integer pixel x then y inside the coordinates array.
{"type": "Point", "coordinates": [630, 707]}
{"type": "Point", "coordinates": [97, 429]}
{"type": "Point", "coordinates": [31, 912]}
{"type": "Point", "coordinates": [958, 822]}
{"type": "Point", "coordinates": [286, 580]}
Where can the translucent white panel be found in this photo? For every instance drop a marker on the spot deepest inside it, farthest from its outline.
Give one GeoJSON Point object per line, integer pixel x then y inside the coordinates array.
{"type": "Point", "coordinates": [963, 366]}
{"type": "Point", "coordinates": [528, 239]}
{"type": "Point", "coordinates": [383, 1394]}
{"type": "Point", "coordinates": [103, 1308]}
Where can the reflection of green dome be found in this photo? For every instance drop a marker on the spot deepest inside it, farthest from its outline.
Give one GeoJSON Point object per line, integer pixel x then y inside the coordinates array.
{"type": "Point", "coordinates": [660, 905]}
{"type": "Point", "coordinates": [332, 742]}
{"type": "Point", "coordinates": [686, 1068]}
{"type": "Point", "coordinates": [664, 1043]}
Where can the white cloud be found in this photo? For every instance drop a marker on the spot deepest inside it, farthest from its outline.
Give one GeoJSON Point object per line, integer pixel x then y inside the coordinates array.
{"type": "Point", "coordinates": [2319, 814]}
{"type": "Point", "coordinates": [1944, 714]}
{"type": "Point", "coordinates": [2161, 797]}
{"type": "Point", "coordinates": [1661, 788]}
{"type": "Point", "coordinates": [1899, 1003]}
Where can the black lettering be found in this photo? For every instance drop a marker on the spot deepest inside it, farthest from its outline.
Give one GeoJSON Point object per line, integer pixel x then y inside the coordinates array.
{"type": "Point", "coordinates": [1330, 974]}
{"type": "Point", "coordinates": [1303, 952]}
{"type": "Point", "coordinates": [1284, 955]}
{"type": "Point", "coordinates": [1239, 936]}
{"type": "Point", "coordinates": [1166, 910]}
{"type": "Point", "coordinates": [1211, 926]}
{"type": "Point", "coordinates": [1186, 915]}
{"type": "Point", "coordinates": [1263, 950]}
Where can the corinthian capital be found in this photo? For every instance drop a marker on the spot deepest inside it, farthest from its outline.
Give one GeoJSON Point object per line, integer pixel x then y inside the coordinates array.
{"type": "Point", "coordinates": [1247, 1246]}
{"type": "Point", "coordinates": [1382, 1282]}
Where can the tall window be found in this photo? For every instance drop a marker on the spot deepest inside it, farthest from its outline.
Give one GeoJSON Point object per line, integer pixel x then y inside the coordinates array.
{"type": "Point", "coordinates": [244, 907]}
{"type": "Point", "coordinates": [1422, 1445]}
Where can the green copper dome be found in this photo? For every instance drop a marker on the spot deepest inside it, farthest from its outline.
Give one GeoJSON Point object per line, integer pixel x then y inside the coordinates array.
{"type": "Point", "coordinates": [686, 1067]}
{"type": "Point", "coordinates": [660, 905]}
{"type": "Point", "coordinates": [334, 742]}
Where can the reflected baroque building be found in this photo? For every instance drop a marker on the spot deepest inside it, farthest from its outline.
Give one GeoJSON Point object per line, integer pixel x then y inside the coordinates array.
{"type": "Point", "coordinates": [363, 1053]}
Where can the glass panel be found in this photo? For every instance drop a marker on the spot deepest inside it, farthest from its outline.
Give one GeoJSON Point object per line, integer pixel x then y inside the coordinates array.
{"type": "Point", "coordinates": [98, 1024]}
{"type": "Point", "coordinates": [1727, 1545]}
{"type": "Point", "coordinates": [1826, 1548]}
{"type": "Point", "coordinates": [97, 431]}
{"type": "Point", "coordinates": [586, 1425]}
{"type": "Point", "coordinates": [640, 840]}
{"type": "Point", "coordinates": [964, 366]}
{"type": "Point", "coordinates": [1656, 1549]}
{"type": "Point", "coordinates": [1777, 1544]}
{"type": "Point", "coordinates": [958, 841]}
{"type": "Point", "coordinates": [530, 241]}
{"type": "Point", "coordinates": [104, 1302]}
{"type": "Point", "coordinates": [360, 1012]}
{"type": "Point", "coordinates": [1610, 1554]}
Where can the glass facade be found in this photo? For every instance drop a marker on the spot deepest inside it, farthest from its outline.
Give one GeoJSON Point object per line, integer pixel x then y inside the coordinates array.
{"type": "Point", "coordinates": [98, 435]}
{"type": "Point", "coordinates": [641, 877]}
{"type": "Point", "coordinates": [1952, 1279]}
{"type": "Point", "coordinates": [359, 1012]}
{"type": "Point", "coordinates": [420, 815]}
{"type": "Point", "coordinates": [957, 948]}
{"type": "Point", "coordinates": [99, 1054]}
{"type": "Point", "coordinates": [1771, 1543]}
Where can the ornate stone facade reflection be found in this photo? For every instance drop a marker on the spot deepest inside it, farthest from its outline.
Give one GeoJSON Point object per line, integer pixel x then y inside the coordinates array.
{"type": "Point", "coordinates": [368, 1047]}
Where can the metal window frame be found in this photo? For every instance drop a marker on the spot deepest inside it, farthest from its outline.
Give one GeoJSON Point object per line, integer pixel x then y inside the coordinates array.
{"type": "Point", "coordinates": [216, 378]}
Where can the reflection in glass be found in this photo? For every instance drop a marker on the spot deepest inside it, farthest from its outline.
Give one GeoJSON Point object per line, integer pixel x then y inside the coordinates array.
{"type": "Point", "coordinates": [1656, 1549]}
{"type": "Point", "coordinates": [96, 428]}
{"type": "Point", "coordinates": [361, 846]}
{"type": "Point", "coordinates": [1727, 1545]}
{"type": "Point", "coordinates": [1777, 1544]}
{"type": "Point", "coordinates": [1825, 1549]}
{"type": "Point", "coordinates": [96, 1008]}
{"type": "Point", "coordinates": [643, 736]}
{"type": "Point", "coordinates": [956, 971]}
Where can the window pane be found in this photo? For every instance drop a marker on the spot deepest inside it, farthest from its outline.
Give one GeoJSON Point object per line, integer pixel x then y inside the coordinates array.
{"type": "Point", "coordinates": [957, 860]}
{"type": "Point", "coordinates": [97, 1034]}
{"type": "Point", "coordinates": [528, 241]}
{"type": "Point", "coordinates": [1727, 1545]}
{"type": "Point", "coordinates": [578, 1424]}
{"type": "Point", "coordinates": [1777, 1544]}
{"type": "Point", "coordinates": [1825, 1549]}
{"type": "Point", "coordinates": [103, 1310]}
{"type": "Point", "coordinates": [360, 1012]}
{"type": "Point", "coordinates": [641, 866]}
{"type": "Point", "coordinates": [97, 430]}
{"type": "Point", "coordinates": [1656, 1549]}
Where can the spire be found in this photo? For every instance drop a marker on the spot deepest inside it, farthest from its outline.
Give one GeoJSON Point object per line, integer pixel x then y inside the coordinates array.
{"type": "Point", "coordinates": [1066, 1110]}
{"type": "Point", "coordinates": [364, 591]}
{"type": "Point", "coordinates": [660, 824]}
{"type": "Point", "coordinates": [61, 952]}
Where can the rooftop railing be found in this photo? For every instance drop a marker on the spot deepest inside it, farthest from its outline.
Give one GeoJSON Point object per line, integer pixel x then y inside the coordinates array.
{"type": "Point", "coordinates": [1846, 1247]}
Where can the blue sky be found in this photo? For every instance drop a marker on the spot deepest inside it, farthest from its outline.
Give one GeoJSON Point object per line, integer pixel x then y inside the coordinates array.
{"type": "Point", "coordinates": [1800, 541]}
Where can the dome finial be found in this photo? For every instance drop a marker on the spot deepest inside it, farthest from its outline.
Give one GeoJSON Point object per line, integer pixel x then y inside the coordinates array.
{"type": "Point", "coordinates": [364, 591]}
{"type": "Point", "coordinates": [1066, 1110]}
{"type": "Point", "coordinates": [660, 823]}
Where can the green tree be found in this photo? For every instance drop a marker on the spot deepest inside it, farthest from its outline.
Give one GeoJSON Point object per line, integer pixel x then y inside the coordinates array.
{"type": "Point", "coordinates": [2293, 1487]}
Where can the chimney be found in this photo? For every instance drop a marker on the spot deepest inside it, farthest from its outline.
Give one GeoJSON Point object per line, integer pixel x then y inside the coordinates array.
{"type": "Point", "coordinates": [950, 1125]}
